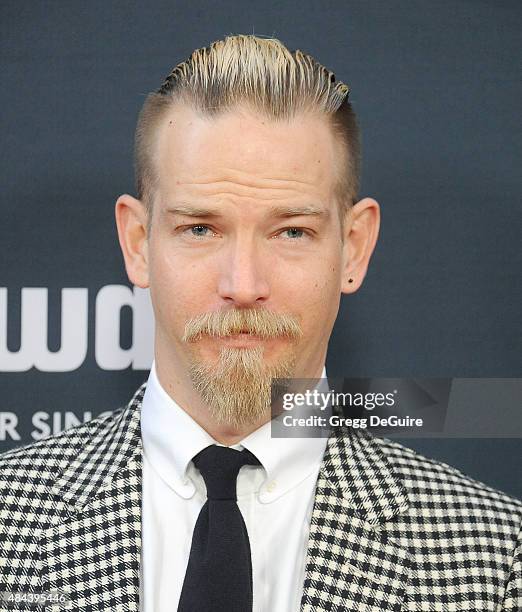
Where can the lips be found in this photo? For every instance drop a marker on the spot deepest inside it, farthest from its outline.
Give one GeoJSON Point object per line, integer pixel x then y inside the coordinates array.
{"type": "Point", "coordinates": [242, 336]}
{"type": "Point", "coordinates": [241, 333]}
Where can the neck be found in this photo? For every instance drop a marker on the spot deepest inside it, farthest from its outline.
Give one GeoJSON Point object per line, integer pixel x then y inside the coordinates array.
{"type": "Point", "coordinates": [177, 384]}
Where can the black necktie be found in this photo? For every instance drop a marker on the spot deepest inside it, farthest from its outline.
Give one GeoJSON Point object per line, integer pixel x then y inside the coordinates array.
{"type": "Point", "coordinates": [219, 571]}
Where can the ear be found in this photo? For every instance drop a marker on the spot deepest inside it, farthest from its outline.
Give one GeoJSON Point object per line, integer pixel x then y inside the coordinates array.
{"type": "Point", "coordinates": [131, 221]}
{"type": "Point", "coordinates": [360, 231]}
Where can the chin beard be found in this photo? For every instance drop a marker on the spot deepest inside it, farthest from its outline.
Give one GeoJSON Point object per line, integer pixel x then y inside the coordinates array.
{"type": "Point", "coordinates": [238, 388]}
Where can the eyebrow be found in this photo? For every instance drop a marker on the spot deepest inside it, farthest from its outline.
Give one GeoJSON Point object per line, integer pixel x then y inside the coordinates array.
{"type": "Point", "coordinates": [274, 211]}
{"type": "Point", "coordinates": [297, 211]}
{"type": "Point", "coordinates": [190, 211]}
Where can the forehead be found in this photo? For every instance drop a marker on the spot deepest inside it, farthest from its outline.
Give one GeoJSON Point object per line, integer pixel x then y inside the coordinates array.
{"type": "Point", "coordinates": [245, 150]}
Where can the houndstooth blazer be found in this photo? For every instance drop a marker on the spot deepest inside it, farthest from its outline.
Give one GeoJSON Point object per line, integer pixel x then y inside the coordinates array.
{"type": "Point", "coordinates": [390, 530]}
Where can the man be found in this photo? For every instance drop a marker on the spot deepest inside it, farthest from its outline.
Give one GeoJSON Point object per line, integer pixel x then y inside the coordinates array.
{"type": "Point", "coordinates": [247, 228]}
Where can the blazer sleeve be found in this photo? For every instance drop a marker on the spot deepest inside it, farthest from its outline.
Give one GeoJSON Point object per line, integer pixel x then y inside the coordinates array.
{"type": "Point", "coordinates": [513, 594]}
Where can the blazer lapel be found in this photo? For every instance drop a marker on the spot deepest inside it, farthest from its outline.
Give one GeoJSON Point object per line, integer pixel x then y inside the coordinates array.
{"type": "Point", "coordinates": [350, 563]}
{"type": "Point", "coordinates": [94, 554]}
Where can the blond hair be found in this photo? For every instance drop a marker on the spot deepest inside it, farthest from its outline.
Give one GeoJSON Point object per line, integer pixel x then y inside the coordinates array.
{"type": "Point", "coordinates": [262, 74]}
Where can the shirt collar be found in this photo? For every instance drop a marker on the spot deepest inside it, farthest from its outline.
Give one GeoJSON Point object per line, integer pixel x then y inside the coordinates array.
{"type": "Point", "coordinates": [171, 438]}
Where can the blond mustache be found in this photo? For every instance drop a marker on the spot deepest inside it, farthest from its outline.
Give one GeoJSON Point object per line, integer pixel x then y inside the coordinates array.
{"type": "Point", "coordinates": [259, 322]}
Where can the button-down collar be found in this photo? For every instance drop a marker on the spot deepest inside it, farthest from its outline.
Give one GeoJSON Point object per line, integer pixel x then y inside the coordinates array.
{"type": "Point", "coordinates": [171, 438]}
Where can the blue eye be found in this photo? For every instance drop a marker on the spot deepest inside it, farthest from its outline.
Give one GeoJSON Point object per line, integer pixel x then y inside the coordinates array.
{"type": "Point", "coordinates": [294, 232]}
{"type": "Point", "coordinates": [199, 230]}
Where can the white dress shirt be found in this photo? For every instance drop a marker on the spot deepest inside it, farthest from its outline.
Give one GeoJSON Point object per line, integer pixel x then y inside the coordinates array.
{"type": "Point", "coordinates": [275, 499]}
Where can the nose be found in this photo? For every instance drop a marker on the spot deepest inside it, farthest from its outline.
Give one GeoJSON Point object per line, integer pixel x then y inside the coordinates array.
{"type": "Point", "coordinates": [242, 280]}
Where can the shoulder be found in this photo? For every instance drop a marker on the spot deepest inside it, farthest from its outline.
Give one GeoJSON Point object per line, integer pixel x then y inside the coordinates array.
{"type": "Point", "coordinates": [37, 465]}
{"type": "Point", "coordinates": [42, 483]}
{"type": "Point", "coordinates": [84, 441]}
{"type": "Point", "coordinates": [456, 526]}
{"type": "Point", "coordinates": [29, 499]}
{"type": "Point", "coordinates": [434, 484]}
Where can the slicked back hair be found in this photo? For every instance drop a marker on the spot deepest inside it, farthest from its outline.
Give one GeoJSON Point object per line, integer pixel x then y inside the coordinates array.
{"type": "Point", "coordinates": [263, 75]}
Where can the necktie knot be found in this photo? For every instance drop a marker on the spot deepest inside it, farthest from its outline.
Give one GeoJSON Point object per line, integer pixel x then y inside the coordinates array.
{"type": "Point", "coordinates": [219, 466]}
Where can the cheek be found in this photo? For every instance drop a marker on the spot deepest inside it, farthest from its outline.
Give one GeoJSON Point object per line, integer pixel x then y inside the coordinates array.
{"type": "Point", "coordinates": [313, 291]}
{"type": "Point", "coordinates": [318, 274]}
{"type": "Point", "coordinates": [179, 289]}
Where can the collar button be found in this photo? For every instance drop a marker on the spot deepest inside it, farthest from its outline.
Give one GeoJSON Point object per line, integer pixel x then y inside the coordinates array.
{"type": "Point", "coordinates": [271, 486]}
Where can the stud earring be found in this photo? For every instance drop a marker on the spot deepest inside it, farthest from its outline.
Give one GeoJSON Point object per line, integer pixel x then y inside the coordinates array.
{"type": "Point", "coordinates": [350, 280]}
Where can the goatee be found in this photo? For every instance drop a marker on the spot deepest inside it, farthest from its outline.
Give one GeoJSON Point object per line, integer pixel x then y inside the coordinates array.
{"type": "Point", "coordinates": [238, 387]}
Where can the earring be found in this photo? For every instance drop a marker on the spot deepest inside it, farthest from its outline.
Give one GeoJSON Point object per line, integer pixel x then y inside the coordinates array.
{"type": "Point", "coordinates": [350, 280]}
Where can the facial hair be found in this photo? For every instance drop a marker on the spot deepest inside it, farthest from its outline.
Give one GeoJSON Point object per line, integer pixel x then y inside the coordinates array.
{"type": "Point", "coordinates": [238, 387]}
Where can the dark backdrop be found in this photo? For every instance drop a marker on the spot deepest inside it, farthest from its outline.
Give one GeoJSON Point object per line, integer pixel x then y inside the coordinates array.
{"type": "Point", "coordinates": [437, 90]}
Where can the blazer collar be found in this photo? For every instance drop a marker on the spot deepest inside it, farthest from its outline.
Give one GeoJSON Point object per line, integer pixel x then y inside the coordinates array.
{"type": "Point", "coordinates": [115, 443]}
{"type": "Point", "coordinates": [94, 554]}
{"type": "Point", "coordinates": [351, 563]}
{"type": "Point", "coordinates": [355, 464]}
{"type": "Point", "coordinates": [348, 554]}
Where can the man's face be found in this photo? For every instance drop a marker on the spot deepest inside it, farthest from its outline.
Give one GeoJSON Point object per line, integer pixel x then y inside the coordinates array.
{"type": "Point", "coordinates": [245, 220]}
